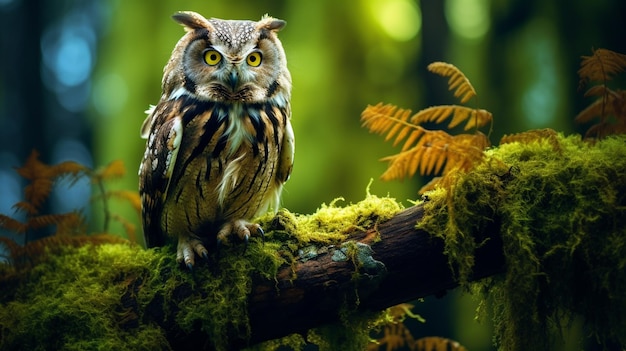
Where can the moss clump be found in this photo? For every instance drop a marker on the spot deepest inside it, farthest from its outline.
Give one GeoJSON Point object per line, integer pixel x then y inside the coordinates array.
{"type": "Point", "coordinates": [121, 297]}
{"type": "Point", "coordinates": [72, 302]}
{"type": "Point", "coordinates": [562, 212]}
{"type": "Point", "coordinates": [330, 224]}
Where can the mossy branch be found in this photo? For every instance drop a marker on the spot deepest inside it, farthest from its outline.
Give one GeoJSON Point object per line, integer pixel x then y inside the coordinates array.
{"type": "Point", "coordinates": [396, 263]}
{"type": "Point", "coordinates": [549, 222]}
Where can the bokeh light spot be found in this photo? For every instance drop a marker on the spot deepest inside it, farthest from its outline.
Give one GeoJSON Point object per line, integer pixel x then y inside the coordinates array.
{"type": "Point", "coordinates": [468, 19]}
{"type": "Point", "coordinates": [399, 19]}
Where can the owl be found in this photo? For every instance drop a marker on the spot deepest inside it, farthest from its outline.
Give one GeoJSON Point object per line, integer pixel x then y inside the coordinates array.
{"type": "Point", "coordinates": [219, 143]}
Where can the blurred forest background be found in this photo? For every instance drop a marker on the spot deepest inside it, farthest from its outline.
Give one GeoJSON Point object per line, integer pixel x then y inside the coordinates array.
{"type": "Point", "coordinates": [76, 76]}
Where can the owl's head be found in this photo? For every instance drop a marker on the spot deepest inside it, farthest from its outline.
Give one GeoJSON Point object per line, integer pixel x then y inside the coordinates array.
{"type": "Point", "coordinates": [227, 60]}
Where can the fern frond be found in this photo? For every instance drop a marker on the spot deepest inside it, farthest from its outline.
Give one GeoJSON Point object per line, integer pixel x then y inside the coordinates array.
{"type": "Point", "coordinates": [475, 118]}
{"type": "Point", "coordinates": [72, 223]}
{"type": "Point", "coordinates": [596, 109]}
{"type": "Point", "coordinates": [421, 156]}
{"type": "Point", "coordinates": [597, 90]}
{"type": "Point", "coordinates": [479, 118]}
{"type": "Point", "coordinates": [12, 224]}
{"type": "Point", "coordinates": [43, 221]}
{"type": "Point", "coordinates": [603, 129]}
{"type": "Point", "coordinates": [390, 120]}
{"type": "Point", "coordinates": [42, 177]}
{"type": "Point", "coordinates": [464, 89]}
{"type": "Point", "coordinates": [466, 151]}
{"type": "Point", "coordinates": [114, 170]}
{"type": "Point", "coordinates": [601, 66]}
{"type": "Point", "coordinates": [434, 150]}
{"type": "Point", "coordinates": [612, 103]}
{"type": "Point", "coordinates": [37, 192]}
{"type": "Point", "coordinates": [26, 207]}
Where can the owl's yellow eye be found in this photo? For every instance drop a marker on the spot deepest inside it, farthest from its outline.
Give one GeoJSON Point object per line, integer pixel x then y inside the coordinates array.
{"type": "Point", "coordinates": [212, 57]}
{"type": "Point", "coordinates": [254, 59]}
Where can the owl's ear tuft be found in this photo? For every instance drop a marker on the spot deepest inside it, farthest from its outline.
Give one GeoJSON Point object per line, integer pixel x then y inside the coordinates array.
{"type": "Point", "coordinates": [271, 23]}
{"type": "Point", "coordinates": [191, 20]}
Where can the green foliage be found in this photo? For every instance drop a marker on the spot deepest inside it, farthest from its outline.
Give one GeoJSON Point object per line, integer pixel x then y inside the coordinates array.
{"type": "Point", "coordinates": [563, 224]}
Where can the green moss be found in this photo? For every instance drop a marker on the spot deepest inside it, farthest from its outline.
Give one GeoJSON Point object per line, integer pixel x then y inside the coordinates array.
{"type": "Point", "coordinates": [67, 303]}
{"type": "Point", "coordinates": [331, 223]}
{"type": "Point", "coordinates": [99, 296]}
{"type": "Point", "coordinates": [562, 213]}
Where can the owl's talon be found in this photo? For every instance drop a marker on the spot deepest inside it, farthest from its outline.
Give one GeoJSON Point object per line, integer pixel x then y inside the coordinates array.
{"type": "Point", "coordinates": [188, 248]}
{"type": "Point", "coordinates": [241, 229]}
{"type": "Point", "coordinates": [190, 267]}
{"type": "Point", "coordinates": [245, 246]}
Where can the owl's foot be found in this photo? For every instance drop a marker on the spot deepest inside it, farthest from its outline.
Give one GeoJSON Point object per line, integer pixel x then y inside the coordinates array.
{"type": "Point", "coordinates": [240, 228]}
{"type": "Point", "coordinates": [188, 247]}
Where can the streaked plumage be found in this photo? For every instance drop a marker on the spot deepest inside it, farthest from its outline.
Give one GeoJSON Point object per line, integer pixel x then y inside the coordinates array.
{"type": "Point", "coordinates": [220, 143]}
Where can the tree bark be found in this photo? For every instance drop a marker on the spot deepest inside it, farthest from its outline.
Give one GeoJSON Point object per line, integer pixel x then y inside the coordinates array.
{"type": "Point", "coordinates": [414, 266]}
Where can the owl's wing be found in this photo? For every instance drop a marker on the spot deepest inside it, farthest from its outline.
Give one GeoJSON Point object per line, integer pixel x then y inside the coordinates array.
{"type": "Point", "coordinates": [288, 147]}
{"type": "Point", "coordinates": [156, 170]}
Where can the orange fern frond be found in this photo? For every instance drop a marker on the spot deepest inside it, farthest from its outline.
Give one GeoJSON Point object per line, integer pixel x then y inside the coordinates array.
{"type": "Point", "coordinates": [26, 207]}
{"type": "Point", "coordinates": [431, 151]}
{"type": "Point", "coordinates": [610, 105]}
{"type": "Point", "coordinates": [12, 224]}
{"type": "Point", "coordinates": [72, 223]}
{"type": "Point", "coordinates": [390, 120]}
{"type": "Point", "coordinates": [42, 177]}
{"type": "Point", "coordinates": [422, 156]}
{"type": "Point", "coordinates": [475, 118]}
{"type": "Point", "coordinates": [435, 149]}
{"type": "Point", "coordinates": [70, 227]}
{"type": "Point", "coordinates": [115, 169]}
{"type": "Point", "coordinates": [464, 89]}
{"type": "Point", "coordinates": [601, 66]}
{"type": "Point", "coordinates": [606, 128]}
{"type": "Point", "coordinates": [613, 103]}
{"type": "Point", "coordinates": [43, 221]}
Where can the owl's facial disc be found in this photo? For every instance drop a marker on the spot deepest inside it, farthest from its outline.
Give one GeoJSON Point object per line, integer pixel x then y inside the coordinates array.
{"type": "Point", "coordinates": [232, 76]}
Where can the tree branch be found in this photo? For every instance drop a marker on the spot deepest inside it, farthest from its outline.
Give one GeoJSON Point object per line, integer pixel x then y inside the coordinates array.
{"type": "Point", "coordinates": [414, 267]}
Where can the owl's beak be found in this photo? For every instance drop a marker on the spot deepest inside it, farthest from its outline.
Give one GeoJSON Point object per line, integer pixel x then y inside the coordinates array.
{"type": "Point", "coordinates": [233, 79]}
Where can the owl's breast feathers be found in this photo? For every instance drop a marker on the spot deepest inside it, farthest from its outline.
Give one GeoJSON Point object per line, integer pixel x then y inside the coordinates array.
{"type": "Point", "coordinates": [208, 162]}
